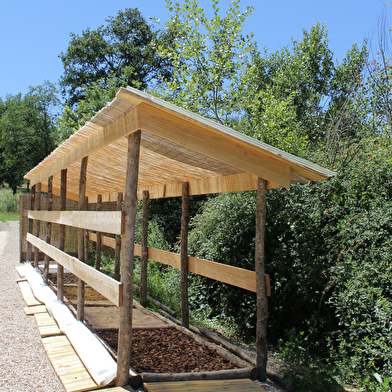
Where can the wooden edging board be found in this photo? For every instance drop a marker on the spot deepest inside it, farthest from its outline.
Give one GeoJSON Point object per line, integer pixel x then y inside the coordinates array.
{"type": "Point", "coordinates": [105, 285]}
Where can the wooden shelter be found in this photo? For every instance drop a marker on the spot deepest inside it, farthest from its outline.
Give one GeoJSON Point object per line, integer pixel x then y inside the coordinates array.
{"type": "Point", "coordinates": [141, 147]}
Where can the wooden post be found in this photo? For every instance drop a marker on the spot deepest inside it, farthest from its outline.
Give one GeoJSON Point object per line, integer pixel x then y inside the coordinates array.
{"type": "Point", "coordinates": [117, 249]}
{"type": "Point", "coordinates": [262, 304]}
{"type": "Point", "coordinates": [31, 223]}
{"type": "Point", "coordinates": [48, 228]}
{"type": "Point", "coordinates": [81, 207]}
{"type": "Point", "coordinates": [128, 242]}
{"type": "Point", "coordinates": [37, 207]}
{"type": "Point", "coordinates": [86, 235]}
{"type": "Point", "coordinates": [63, 206]}
{"type": "Point", "coordinates": [184, 255]}
{"type": "Point", "coordinates": [144, 256]}
{"type": "Point", "coordinates": [98, 243]}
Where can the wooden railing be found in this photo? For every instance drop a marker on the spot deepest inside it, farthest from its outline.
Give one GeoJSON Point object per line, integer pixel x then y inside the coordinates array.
{"type": "Point", "coordinates": [107, 286]}
{"type": "Point", "coordinates": [238, 277]}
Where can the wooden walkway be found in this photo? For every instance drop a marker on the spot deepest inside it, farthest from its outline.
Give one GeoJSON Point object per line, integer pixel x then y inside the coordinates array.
{"type": "Point", "coordinates": [73, 374]}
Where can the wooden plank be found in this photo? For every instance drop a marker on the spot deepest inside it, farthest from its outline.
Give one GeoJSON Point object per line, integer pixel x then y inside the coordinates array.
{"type": "Point", "coordinates": [35, 309]}
{"type": "Point", "coordinates": [102, 283]}
{"type": "Point", "coordinates": [107, 241]}
{"type": "Point", "coordinates": [31, 223]}
{"type": "Point", "coordinates": [203, 386]}
{"type": "Point", "coordinates": [212, 143]}
{"type": "Point", "coordinates": [228, 183]}
{"type": "Point", "coordinates": [47, 325]}
{"type": "Point", "coordinates": [123, 126]}
{"type": "Point", "coordinates": [66, 363]}
{"type": "Point", "coordinates": [27, 294]}
{"type": "Point", "coordinates": [104, 221]}
{"type": "Point", "coordinates": [235, 276]}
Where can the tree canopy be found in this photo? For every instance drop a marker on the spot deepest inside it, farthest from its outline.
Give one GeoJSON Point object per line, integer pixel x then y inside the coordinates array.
{"type": "Point", "coordinates": [124, 48]}
{"type": "Point", "coordinates": [28, 132]}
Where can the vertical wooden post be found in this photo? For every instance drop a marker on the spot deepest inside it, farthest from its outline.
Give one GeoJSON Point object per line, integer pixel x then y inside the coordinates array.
{"type": "Point", "coordinates": [21, 236]}
{"type": "Point", "coordinates": [262, 304]}
{"type": "Point", "coordinates": [48, 228]}
{"type": "Point", "coordinates": [63, 206]}
{"type": "Point", "coordinates": [37, 207]}
{"type": "Point", "coordinates": [184, 255]}
{"type": "Point", "coordinates": [81, 207]}
{"type": "Point", "coordinates": [31, 224]}
{"type": "Point", "coordinates": [86, 234]}
{"type": "Point", "coordinates": [144, 257]}
{"type": "Point", "coordinates": [117, 249]}
{"type": "Point", "coordinates": [98, 243]}
{"type": "Point", "coordinates": [128, 242]}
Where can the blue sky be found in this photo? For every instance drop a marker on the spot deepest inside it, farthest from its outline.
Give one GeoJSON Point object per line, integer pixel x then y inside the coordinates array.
{"type": "Point", "coordinates": [34, 33]}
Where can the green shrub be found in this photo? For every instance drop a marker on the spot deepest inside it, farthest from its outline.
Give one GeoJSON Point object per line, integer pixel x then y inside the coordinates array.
{"type": "Point", "coordinates": [8, 201]}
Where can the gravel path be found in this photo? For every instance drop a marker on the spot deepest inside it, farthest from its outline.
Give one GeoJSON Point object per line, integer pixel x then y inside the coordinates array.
{"type": "Point", "coordinates": [24, 365]}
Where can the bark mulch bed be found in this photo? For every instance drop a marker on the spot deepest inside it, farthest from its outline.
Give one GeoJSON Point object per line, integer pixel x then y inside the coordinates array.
{"type": "Point", "coordinates": [168, 350]}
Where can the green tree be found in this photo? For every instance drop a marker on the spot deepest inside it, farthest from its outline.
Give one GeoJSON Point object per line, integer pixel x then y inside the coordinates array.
{"type": "Point", "coordinates": [300, 99]}
{"type": "Point", "coordinates": [209, 58]}
{"type": "Point", "coordinates": [27, 132]}
{"type": "Point", "coordinates": [124, 48]}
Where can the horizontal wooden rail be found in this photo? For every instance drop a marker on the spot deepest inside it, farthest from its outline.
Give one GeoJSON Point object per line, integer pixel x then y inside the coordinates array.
{"type": "Point", "coordinates": [102, 221]}
{"type": "Point", "coordinates": [102, 283]}
{"type": "Point", "coordinates": [107, 241]}
{"type": "Point", "coordinates": [234, 276]}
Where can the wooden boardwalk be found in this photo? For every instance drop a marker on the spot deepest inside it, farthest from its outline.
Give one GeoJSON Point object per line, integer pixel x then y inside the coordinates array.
{"type": "Point", "coordinates": [72, 372]}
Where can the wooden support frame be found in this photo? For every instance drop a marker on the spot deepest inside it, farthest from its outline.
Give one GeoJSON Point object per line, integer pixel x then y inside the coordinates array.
{"type": "Point", "coordinates": [63, 206]}
{"type": "Point", "coordinates": [235, 276]}
{"type": "Point", "coordinates": [184, 255]}
{"type": "Point", "coordinates": [102, 283]}
{"type": "Point", "coordinates": [117, 247]}
{"type": "Point", "coordinates": [262, 303]}
{"type": "Point", "coordinates": [37, 207]}
{"type": "Point", "coordinates": [31, 223]}
{"type": "Point", "coordinates": [98, 241]}
{"type": "Point", "coordinates": [129, 209]}
{"type": "Point", "coordinates": [144, 255]}
{"type": "Point", "coordinates": [48, 229]}
{"type": "Point", "coordinates": [81, 207]}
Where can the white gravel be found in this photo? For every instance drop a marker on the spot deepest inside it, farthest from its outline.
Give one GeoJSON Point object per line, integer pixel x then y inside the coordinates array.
{"type": "Point", "coordinates": [24, 365]}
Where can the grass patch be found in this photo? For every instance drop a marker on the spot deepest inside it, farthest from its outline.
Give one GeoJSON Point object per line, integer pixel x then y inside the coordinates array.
{"type": "Point", "coordinates": [9, 216]}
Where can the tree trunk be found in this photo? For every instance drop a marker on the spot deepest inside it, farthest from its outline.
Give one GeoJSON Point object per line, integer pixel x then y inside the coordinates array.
{"type": "Point", "coordinates": [129, 210]}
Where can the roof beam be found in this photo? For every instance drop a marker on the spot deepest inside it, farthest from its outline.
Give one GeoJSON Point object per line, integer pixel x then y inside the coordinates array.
{"type": "Point", "coordinates": [121, 127]}
{"type": "Point", "coordinates": [221, 147]}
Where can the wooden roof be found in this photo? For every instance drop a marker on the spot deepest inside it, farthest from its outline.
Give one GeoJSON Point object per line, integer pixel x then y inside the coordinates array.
{"type": "Point", "coordinates": [176, 146]}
